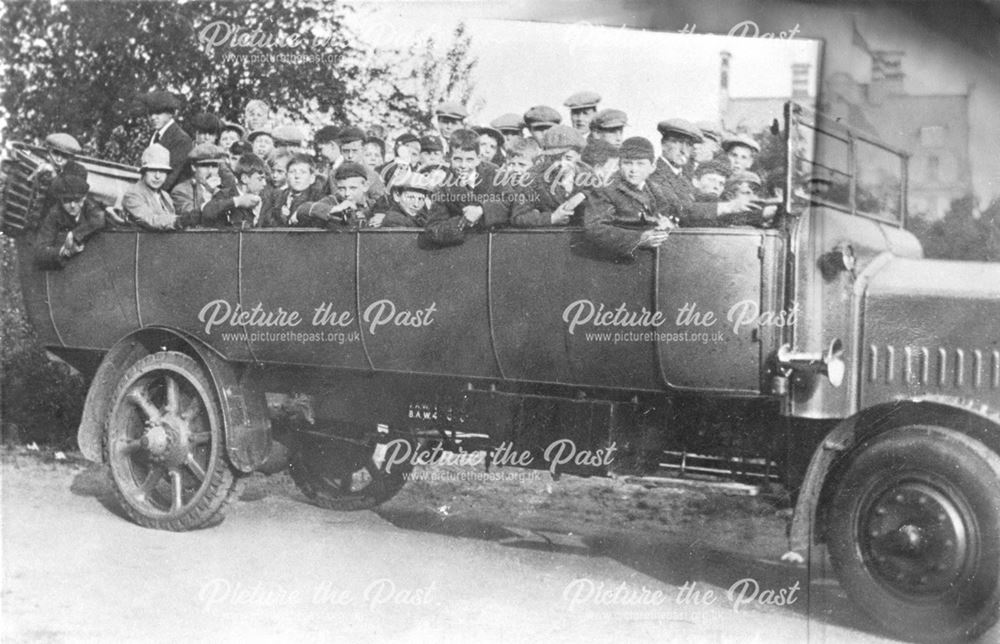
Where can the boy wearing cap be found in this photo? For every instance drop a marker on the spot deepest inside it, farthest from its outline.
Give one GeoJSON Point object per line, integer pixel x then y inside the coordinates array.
{"type": "Point", "coordinates": [582, 108]}
{"type": "Point", "coordinates": [61, 148]}
{"type": "Point", "coordinates": [540, 118]}
{"type": "Point", "coordinates": [609, 126]}
{"type": "Point", "coordinates": [710, 180]}
{"type": "Point", "coordinates": [406, 157]}
{"type": "Point", "coordinates": [512, 127]}
{"type": "Point", "coordinates": [348, 206]}
{"type": "Point", "coordinates": [262, 142]}
{"type": "Point", "coordinates": [68, 223]}
{"type": "Point", "coordinates": [708, 148]}
{"type": "Point", "coordinates": [491, 143]}
{"type": "Point", "coordinates": [146, 201]}
{"type": "Point", "coordinates": [160, 107]}
{"type": "Point", "coordinates": [431, 150]}
{"type": "Point", "coordinates": [632, 212]}
{"type": "Point", "coordinates": [450, 116]}
{"type": "Point", "coordinates": [192, 195]}
{"type": "Point", "coordinates": [741, 150]}
{"type": "Point", "coordinates": [470, 200]}
{"type": "Point", "coordinates": [351, 140]}
{"type": "Point", "coordinates": [241, 205]}
{"type": "Point", "coordinates": [552, 197]}
{"type": "Point", "coordinates": [602, 157]}
{"type": "Point", "coordinates": [301, 187]}
{"type": "Point", "coordinates": [408, 207]}
{"type": "Point", "coordinates": [229, 134]}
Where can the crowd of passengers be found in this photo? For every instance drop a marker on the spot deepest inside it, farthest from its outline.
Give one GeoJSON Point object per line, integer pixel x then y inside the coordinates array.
{"type": "Point", "coordinates": [519, 171]}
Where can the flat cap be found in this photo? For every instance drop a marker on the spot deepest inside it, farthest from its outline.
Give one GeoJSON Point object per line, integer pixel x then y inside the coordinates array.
{"type": "Point", "coordinates": [709, 130]}
{"type": "Point", "coordinates": [451, 109]}
{"type": "Point", "coordinates": [431, 143]}
{"type": "Point", "coordinates": [69, 187]}
{"type": "Point", "coordinates": [240, 148]}
{"type": "Point", "coordinates": [744, 176]}
{"type": "Point", "coordinates": [235, 127]}
{"type": "Point", "coordinates": [608, 120]}
{"type": "Point", "coordinates": [636, 147]}
{"type": "Point", "coordinates": [62, 142]}
{"type": "Point", "coordinates": [492, 132]}
{"type": "Point", "coordinates": [350, 169]}
{"type": "Point", "coordinates": [542, 115]}
{"type": "Point", "coordinates": [256, 133]}
{"type": "Point", "coordinates": [508, 122]}
{"type": "Point", "coordinates": [205, 153]}
{"type": "Point", "coordinates": [560, 138]}
{"type": "Point", "coordinates": [410, 181]}
{"type": "Point", "coordinates": [205, 122]}
{"type": "Point", "coordinates": [740, 139]}
{"type": "Point", "coordinates": [407, 137]}
{"type": "Point", "coordinates": [715, 166]}
{"type": "Point", "coordinates": [293, 135]}
{"type": "Point", "coordinates": [350, 134]}
{"type": "Point", "coordinates": [582, 100]}
{"type": "Point", "coordinates": [159, 101]}
{"type": "Point", "coordinates": [679, 127]}
{"type": "Point", "coordinates": [598, 152]}
{"type": "Point", "coordinates": [326, 134]}
{"type": "Point", "coordinates": [72, 167]}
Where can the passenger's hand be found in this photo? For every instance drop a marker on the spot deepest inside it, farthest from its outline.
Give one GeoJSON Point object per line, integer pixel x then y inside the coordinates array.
{"type": "Point", "coordinates": [666, 223]}
{"type": "Point", "coordinates": [246, 201]}
{"type": "Point", "coordinates": [739, 204]}
{"type": "Point", "coordinates": [70, 247]}
{"type": "Point", "coordinates": [115, 215]}
{"type": "Point", "coordinates": [214, 182]}
{"type": "Point", "coordinates": [561, 215]}
{"type": "Point", "coordinates": [472, 214]}
{"type": "Point", "coordinates": [375, 221]}
{"type": "Point", "coordinates": [344, 206]}
{"type": "Point", "coordinates": [653, 238]}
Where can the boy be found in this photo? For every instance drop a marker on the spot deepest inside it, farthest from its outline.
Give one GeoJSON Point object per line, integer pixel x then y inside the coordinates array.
{"type": "Point", "coordinates": [608, 126]}
{"type": "Point", "coordinates": [741, 150]}
{"type": "Point", "coordinates": [206, 128]}
{"type": "Point", "coordinates": [632, 212]}
{"type": "Point", "coordinates": [160, 107]}
{"type": "Point", "coordinates": [709, 147]}
{"type": "Point", "coordinates": [582, 108]}
{"type": "Point", "coordinates": [70, 222]}
{"type": "Point", "coordinates": [552, 197]}
{"type": "Point", "coordinates": [491, 142]}
{"type": "Point", "coordinates": [450, 116]}
{"type": "Point", "coordinates": [407, 157]}
{"type": "Point", "coordinates": [231, 133]}
{"type": "Point", "coordinates": [512, 127]}
{"type": "Point", "coordinates": [540, 118]}
{"type": "Point", "coordinates": [347, 207]}
{"type": "Point", "coordinates": [469, 200]}
{"type": "Point", "coordinates": [281, 204]}
{"type": "Point", "coordinates": [710, 180]}
{"type": "Point", "coordinates": [146, 202]}
{"type": "Point", "coordinates": [192, 195]}
{"type": "Point", "coordinates": [241, 205]}
{"type": "Point", "coordinates": [409, 205]}
{"type": "Point", "coordinates": [262, 142]}
{"type": "Point", "coordinates": [277, 167]}
{"type": "Point", "coordinates": [373, 152]}
{"type": "Point", "coordinates": [602, 157]}
{"type": "Point", "coordinates": [431, 150]}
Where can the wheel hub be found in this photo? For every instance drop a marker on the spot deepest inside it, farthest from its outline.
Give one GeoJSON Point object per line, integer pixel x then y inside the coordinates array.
{"type": "Point", "coordinates": [166, 440]}
{"type": "Point", "coordinates": [915, 539]}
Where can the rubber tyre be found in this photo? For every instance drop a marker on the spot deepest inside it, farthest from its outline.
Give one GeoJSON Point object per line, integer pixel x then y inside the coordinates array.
{"type": "Point", "coordinates": [941, 487]}
{"type": "Point", "coordinates": [342, 475]}
{"type": "Point", "coordinates": [202, 502]}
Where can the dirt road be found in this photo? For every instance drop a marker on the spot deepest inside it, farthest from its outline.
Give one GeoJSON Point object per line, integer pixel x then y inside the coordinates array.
{"type": "Point", "coordinates": [282, 570]}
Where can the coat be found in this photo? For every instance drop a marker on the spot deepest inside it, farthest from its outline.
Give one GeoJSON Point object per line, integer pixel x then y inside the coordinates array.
{"type": "Point", "coordinates": [222, 212]}
{"type": "Point", "coordinates": [695, 210]}
{"type": "Point", "coordinates": [396, 218]}
{"type": "Point", "coordinates": [446, 224]}
{"type": "Point", "coordinates": [190, 198]}
{"type": "Point", "coordinates": [534, 204]}
{"type": "Point", "coordinates": [57, 223]}
{"type": "Point", "coordinates": [279, 204]}
{"type": "Point", "coordinates": [150, 208]}
{"type": "Point", "coordinates": [179, 144]}
{"type": "Point", "coordinates": [617, 215]}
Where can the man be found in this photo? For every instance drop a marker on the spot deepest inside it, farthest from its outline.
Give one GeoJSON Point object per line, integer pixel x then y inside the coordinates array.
{"type": "Point", "coordinates": [161, 106]}
{"type": "Point", "coordinates": [540, 118]}
{"type": "Point", "coordinates": [670, 175]}
{"type": "Point", "coordinates": [241, 205]}
{"type": "Point", "coordinates": [192, 195]}
{"type": "Point", "coordinates": [582, 108]}
{"type": "Point", "coordinates": [512, 127]}
{"type": "Point", "coordinates": [552, 197]}
{"type": "Point", "coordinates": [349, 206]}
{"type": "Point", "coordinates": [469, 201]}
{"type": "Point", "coordinates": [146, 202]}
{"type": "Point", "coordinates": [609, 126]}
{"type": "Point", "coordinates": [741, 150]}
{"type": "Point", "coordinates": [450, 116]}
{"type": "Point", "coordinates": [708, 148]}
{"type": "Point", "coordinates": [68, 224]}
{"type": "Point", "coordinates": [631, 213]}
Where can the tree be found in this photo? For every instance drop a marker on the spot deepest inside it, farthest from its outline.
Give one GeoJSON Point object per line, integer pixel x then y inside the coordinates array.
{"type": "Point", "coordinates": [960, 234]}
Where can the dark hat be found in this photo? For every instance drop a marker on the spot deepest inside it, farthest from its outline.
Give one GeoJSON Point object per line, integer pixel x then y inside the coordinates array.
{"type": "Point", "coordinates": [679, 128]}
{"type": "Point", "coordinates": [205, 122]}
{"type": "Point", "coordinates": [326, 134]}
{"type": "Point", "coordinates": [715, 166]}
{"type": "Point", "coordinates": [160, 101]}
{"type": "Point", "coordinates": [410, 181]}
{"type": "Point", "coordinates": [431, 143]}
{"type": "Point", "coordinates": [509, 122]}
{"type": "Point", "coordinates": [292, 135]}
{"type": "Point", "coordinates": [235, 127]}
{"type": "Point", "coordinates": [350, 134]}
{"type": "Point", "coordinates": [491, 132]}
{"type": "Point", "coordinates": [609, 120]}
{"type": "Point", "coordinates": [598, 152]}
{"type": "Point", "coordinates": [740, 139]}
{"type": "Point", "coordinates": [709, 130]}
{"type": "Point", "coordinates": [407, 137]}
{"type": "Point", "coordinates": [542, 115]}
{"type": "Point", "coordinates": [744, 176]}
{"type": "Point", "coordinates": [204, 153]}
{"type": "Point", "coordinates": [560, 138]}
{"type": "Point", "coordinates": [451, 109]}
{"type": "Point", "coordinates": [74, 168]}
{"type": "Point", "coordinates": [69, 187]}
{"type": "Point", "coordinates": [582, 100]}
{"type": "Point", "coordinates": [258, 133]}
{"type": "Point", "coordinates": [636, 147]}
{"type": "Point", "coordinates": [62, 142]}
{"type": "Point", "coordinates": [350, 169]}
{"type": "Point", "coordinates": [241, 148]}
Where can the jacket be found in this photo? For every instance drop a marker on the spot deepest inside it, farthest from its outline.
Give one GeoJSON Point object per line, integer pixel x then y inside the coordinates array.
{"type": "Point", "coordinates": [57, 223]}
{"type": "Point", "coordinates": [446, 224]}
{"type": "Point", "coordinates": [534, 204]}
{"type": "Point", "coordinates": [279, 205]}
{"type": "Point", "coordinates": [179, 144]}
{"type": "Point", "coordinates": [190, 198]}
{"type": "Point", "coordinates": [396, 218]}
{"type": "Point", "coordinates": [222, 211]}
{"type": "Point", "coordinates": [150, 208]}
{"type": "Point", "coordinates": [617, 215]}
{"type": "Point", "coordinates": [694, 212]}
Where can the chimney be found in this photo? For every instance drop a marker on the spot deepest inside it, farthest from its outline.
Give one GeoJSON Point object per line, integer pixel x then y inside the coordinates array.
{"type": "Point", "coordinates": [725, 57]}
{"type": "Point", "coordinates": [800, 80]}
{"type": "Point", "coordinates": [887, 75]}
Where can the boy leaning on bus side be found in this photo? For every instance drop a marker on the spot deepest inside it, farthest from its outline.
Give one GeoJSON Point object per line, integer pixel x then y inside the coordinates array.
{"type": "Point", "coordinates": [70, 221]}
{"type": "Point", "coordinates": [241, 205]}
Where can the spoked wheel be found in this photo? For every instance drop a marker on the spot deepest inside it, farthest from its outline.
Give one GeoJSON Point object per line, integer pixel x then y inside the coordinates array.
{"type": "Point", "coordinates": [164, 445]}
{"type": "Point", "coordinates": [350, 469]}
{"type": "Point", "coordinates": [915, 533]}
